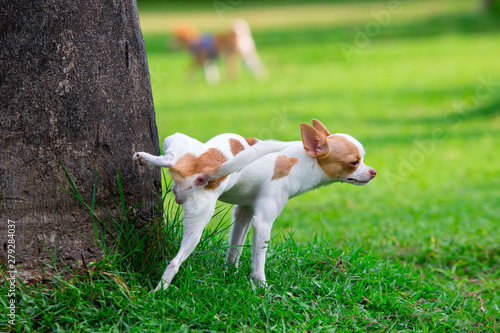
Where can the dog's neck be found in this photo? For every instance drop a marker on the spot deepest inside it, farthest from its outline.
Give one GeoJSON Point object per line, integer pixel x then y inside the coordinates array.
{"type": "Point", "coordinates": [307, 174]}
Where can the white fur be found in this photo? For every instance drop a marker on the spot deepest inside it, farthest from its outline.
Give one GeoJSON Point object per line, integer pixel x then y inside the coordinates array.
{"type": "Point", "coordinates": [247, 49]}
{"type": "Point", "coordinates": [212, 75]}
{"type": "Point", "coordinates": [258, 199]}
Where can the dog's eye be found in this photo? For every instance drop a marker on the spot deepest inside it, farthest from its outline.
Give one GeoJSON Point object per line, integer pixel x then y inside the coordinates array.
{"type": "Point", "coordinates": [355, 163]}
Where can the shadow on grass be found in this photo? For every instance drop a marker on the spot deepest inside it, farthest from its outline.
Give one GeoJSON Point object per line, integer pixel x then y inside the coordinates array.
{"type": "Point", "coordinates": [223, 6]}
{"type": "Point", "coordinates": [489, 109]}
{"type": "Point", "coordinates": [447, 124]}
{"type": "Point", "coordinates": [462, 23]}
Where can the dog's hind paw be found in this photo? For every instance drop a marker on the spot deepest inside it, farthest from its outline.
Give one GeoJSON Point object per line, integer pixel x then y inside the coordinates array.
{"type": "Point", "coordinates": [139, 158]}
{"type": "Point", "coordinates": [162, 285]}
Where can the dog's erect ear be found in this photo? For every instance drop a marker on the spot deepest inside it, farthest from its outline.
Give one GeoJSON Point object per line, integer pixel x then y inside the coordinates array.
{"type": "Point", "coordinates": [314, 142]}
{"type": "Point", "coordinates": [201, 180]}
{"type": "Point", "coordinates": [320, 127]}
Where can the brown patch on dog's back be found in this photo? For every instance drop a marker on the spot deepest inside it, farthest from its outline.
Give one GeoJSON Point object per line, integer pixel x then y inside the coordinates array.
{"type": "Point", "coordinates": [226, 43]}
{"type": "Point", "coordinates": [177, 176]}
{"type": "Point", "coordinates": [282, 166]}
{"type": "Point", "coordinates": [337, 163]}
{"type": "Point", "coordinates": [189, 165]}
{"type": "Point", "coordinates": [251, 141]}
{"type": "Point", "coordinates": [236, 146]}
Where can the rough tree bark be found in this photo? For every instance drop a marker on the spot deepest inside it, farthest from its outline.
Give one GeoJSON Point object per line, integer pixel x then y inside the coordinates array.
{"type": "Point", "coordinates": [74, 87]}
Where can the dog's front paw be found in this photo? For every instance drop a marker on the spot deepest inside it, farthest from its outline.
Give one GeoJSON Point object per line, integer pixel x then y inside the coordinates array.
{"type": "Point", "coordinates": [139, 158]}
{"type": "Point", "coordinates": [259, 280]}
{"type": "Point", "coordinates": [258, 284]}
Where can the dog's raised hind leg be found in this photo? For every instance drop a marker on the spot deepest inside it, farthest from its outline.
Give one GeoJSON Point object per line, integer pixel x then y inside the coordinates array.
{"type": "Point", "coordinates": [142, 158]}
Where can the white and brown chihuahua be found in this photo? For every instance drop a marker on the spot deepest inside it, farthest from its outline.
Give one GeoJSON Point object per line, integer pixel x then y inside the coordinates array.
{"type": "Point", "coordinates": [257, 176]}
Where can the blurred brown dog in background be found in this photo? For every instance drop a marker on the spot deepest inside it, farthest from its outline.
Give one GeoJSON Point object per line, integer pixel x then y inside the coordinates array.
{"type": "Point", "coordinates": [231, 45]}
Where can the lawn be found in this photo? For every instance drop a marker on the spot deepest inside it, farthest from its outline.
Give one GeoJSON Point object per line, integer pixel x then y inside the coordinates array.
{"type": "Point", "coordinates": [416, 250]}
{"type": "Point", "coordinates": [423, 98]}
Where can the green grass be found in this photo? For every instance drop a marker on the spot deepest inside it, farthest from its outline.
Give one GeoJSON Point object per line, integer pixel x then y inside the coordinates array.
{"type": "Point", "coordinates": [312, 286]}
{"type": "Point", "coordinates": [417, 250]}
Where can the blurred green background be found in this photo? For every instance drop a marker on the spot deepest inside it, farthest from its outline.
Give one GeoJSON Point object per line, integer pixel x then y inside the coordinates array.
{"type": "Point", "coordinates": [417, 82]}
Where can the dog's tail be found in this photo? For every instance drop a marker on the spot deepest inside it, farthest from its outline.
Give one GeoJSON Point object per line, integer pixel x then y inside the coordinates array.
{"type": "Point", "coordinates": [247, 49]}
{"type": "Point", "coordinates": [247, 156]}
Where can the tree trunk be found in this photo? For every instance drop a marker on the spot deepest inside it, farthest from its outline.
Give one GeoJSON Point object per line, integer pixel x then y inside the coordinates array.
{"type": "Point", "coordinates": [74, 89]}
